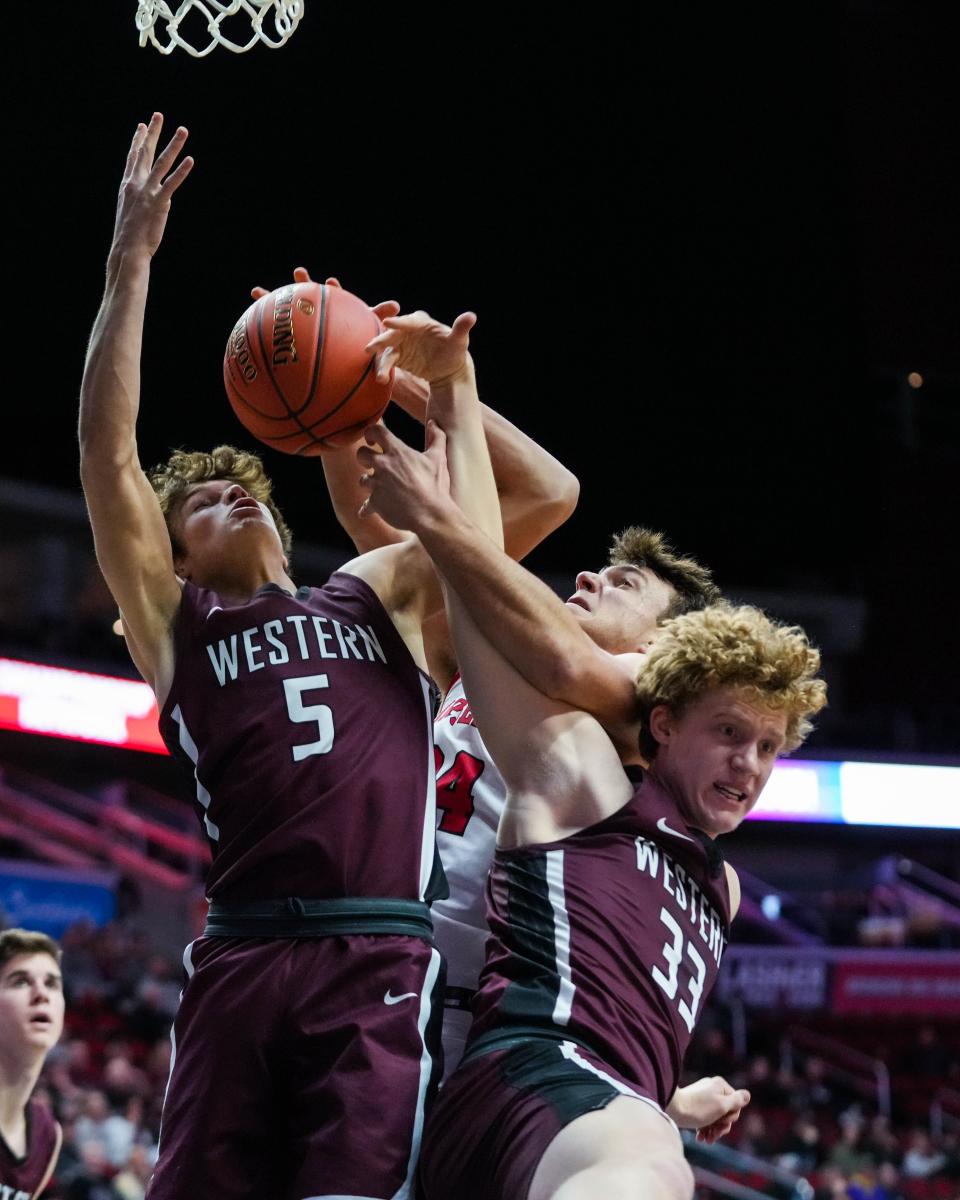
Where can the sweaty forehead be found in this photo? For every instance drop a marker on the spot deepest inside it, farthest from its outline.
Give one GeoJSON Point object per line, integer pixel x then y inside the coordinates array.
{"type": "Point", "coordinates": [730, 702]}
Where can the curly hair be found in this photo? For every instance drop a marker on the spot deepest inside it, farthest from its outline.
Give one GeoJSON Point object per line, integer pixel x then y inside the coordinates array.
{"type": "Point", "coordinates": [171, 479]}
{"type": "Point", "coordinates": [739, 647]}
{"type": "Point", "coordinates": [27, 941]}
{"type": "Point", "coordinates": [693, 584]}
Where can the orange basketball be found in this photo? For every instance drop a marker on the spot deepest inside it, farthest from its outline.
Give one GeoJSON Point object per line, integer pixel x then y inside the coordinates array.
{"type": "Point", "coordinates": [296, 371]}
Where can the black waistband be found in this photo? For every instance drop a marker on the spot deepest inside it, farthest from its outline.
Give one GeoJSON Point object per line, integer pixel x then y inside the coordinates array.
{"type": "Point", "coordinates": [506, 1036]}
{"type": "Point", "coordinates": [296, 918]}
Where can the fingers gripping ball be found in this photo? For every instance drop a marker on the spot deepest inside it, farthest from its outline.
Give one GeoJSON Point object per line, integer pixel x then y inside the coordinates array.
{"type": "Point", "coordinates": [296, 372]}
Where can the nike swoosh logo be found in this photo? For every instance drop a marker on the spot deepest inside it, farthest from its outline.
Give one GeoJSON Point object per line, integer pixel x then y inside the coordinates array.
{"type": "Point", "coordinates": [665, 828]}
{"type": "Point", "coordinates": [389, 998]}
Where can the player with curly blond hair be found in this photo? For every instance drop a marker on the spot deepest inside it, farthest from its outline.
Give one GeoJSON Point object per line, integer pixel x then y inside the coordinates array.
{"type": "Point", "coordinates": [609, 903]}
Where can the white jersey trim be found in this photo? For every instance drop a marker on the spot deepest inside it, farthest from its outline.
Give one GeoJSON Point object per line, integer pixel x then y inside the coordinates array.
{"type": "Point", "coordinates": [571, 1052]}
{"type": "Point", "coordinates": [561, 937]}
{"type": "Point", "coordinates": [189, 747]}
{"type": "Point", "coordinates": [406, 1189]}
{"type": "Point", "coordinates": [189, 968]}
{"type": "Point", "coordinates": [429, 835]}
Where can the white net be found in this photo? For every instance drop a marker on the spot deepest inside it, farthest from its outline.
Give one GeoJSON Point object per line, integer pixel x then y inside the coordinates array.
{"type": "Point", "coordinates": [271, 23]}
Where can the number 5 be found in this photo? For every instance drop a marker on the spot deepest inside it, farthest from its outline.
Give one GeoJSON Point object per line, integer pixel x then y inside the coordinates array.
{"type": "Point", "coordinates": [300, 712]}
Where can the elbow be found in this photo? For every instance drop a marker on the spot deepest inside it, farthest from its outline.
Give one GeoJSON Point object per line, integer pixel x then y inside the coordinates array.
{"type": "Point", "coordinates": [558, 506]}
{"type": "Point", "coordinates": [568, 494]}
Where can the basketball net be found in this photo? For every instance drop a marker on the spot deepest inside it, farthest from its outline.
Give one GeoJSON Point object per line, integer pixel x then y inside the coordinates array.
{"type": "Point", "coordinates": [285, 17]}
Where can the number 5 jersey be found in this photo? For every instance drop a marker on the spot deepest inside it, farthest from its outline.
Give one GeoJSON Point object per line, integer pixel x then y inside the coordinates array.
{"type": "Point", "coordinates": [307, 727]}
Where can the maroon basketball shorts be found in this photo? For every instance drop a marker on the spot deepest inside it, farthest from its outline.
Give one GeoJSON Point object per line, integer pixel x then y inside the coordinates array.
{"type": "Point", "coordinates": [499, 1111]}
{"type": "Point", "coordinates": [301, 1068]}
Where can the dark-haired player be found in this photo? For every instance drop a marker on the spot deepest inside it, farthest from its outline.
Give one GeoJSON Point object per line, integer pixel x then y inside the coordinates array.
{"type": "Point", "coordinates": [609, 904]}
{"type": "Point", "coordinates": [31, 1021]}
{"type": "Point", "coordinates": [304, 717]}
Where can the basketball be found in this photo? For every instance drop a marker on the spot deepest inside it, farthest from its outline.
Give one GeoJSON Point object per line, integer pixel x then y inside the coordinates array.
{"type": "Point", "coordinates": [296, 371]}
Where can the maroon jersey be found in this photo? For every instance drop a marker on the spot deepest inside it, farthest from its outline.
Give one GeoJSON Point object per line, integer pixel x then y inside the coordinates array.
{"type": "Point", "coordinates": [611, 937]}
{"type": "Point", "coordinates": [22, 1178]}
{"type": "Point", "coordinates": [307, 727]}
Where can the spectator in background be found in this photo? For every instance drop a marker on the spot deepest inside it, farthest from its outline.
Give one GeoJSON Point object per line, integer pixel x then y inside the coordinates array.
{"type": "Point", "coordinates": [833, 1185]}
{"type": "Point", "coordinates": [881, 1143]}
{"type": "Point", "coordinates": [763, 1085]}
{"type": "Point", "coordinates": [754, 1138]}
{"type": "Point", "coordinates": [131, 1183]}
{"type": "Point", "coordinates": [803, 1147]}
{"type": "Point", "coordinates": [848, 1153]}
{"type": "Point", "coordinates": [98, 1124]}
{"type": "Point", "coordinates": [921, 1159]}
{"type": "Point", "coordinates": [812, 1090]}
{"type": "Point", "coordinates": [91, 1179]}
{"type": "Point", "coordinates": [31, 1021]}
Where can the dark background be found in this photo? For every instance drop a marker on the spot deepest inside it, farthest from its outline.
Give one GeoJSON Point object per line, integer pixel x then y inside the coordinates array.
{"type": "Point", "coordinates": [705, 248]}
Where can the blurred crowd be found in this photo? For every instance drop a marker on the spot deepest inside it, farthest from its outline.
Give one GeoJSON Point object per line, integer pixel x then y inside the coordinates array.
{"type": "Point", "coordinates": [815, 1121]}
{"type": "Point", "coordinates": [106, 1078]}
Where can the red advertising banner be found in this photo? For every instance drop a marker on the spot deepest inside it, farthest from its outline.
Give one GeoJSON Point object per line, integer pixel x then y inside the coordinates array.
{"type": "Point", "coordinates": [903, 984]}
{"type": "Point", "coordinates": [79, 705]}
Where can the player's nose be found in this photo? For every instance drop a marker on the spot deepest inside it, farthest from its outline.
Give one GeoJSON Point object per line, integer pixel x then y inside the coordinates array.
{"type": "Point", "coordinates": [234, 492]}
{"type": "Point", "coordinates": [588, 581]}
{"type": "Point", "coordinates": [747, 759]}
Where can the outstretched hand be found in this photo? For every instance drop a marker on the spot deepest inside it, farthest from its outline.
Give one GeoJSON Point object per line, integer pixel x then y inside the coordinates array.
{"type": "Point", "coordinates": [425, 347]}
{"type": "Point", "coordinates": [404, 486]}
{"type": "Point", "coordinates": [386, 308]}
{"type": "Point", "coordinates": [149, 181]}
{"type": "Point", "coordinates": [710, 1106]}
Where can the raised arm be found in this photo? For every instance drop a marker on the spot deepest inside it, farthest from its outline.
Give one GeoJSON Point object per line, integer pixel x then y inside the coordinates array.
{"type": "Point", "coordinates": [132, 544]}
{"type": "Point", "coordinates": [520, 615]}
{"type": "Point", "coordinates": [537, 492]}
{"type": "Point", "coordinates": [401, 574]}
{"type": "Point", "coordinates": [561, 770]}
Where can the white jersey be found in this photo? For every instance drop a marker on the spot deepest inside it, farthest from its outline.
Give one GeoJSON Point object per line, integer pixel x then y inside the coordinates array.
{"type": "Point", "coordinates": [470, 798]}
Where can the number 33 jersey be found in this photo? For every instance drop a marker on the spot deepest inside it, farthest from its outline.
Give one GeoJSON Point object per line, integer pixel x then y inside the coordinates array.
{"type": "Point", "coordinates": [611, 937]}
{"type": "Point", "coordinates": [307, 727]}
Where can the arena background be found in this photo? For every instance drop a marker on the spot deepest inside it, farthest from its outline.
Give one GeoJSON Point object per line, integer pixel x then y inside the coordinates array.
{"type": "Point", "coordinates": [707, 248]}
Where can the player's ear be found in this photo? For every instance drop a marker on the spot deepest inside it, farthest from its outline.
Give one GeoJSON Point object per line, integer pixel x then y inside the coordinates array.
{"type": "Point", "coordinates": [180, 566]}
{"type": "Point", "coordinates": [660, 723]}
